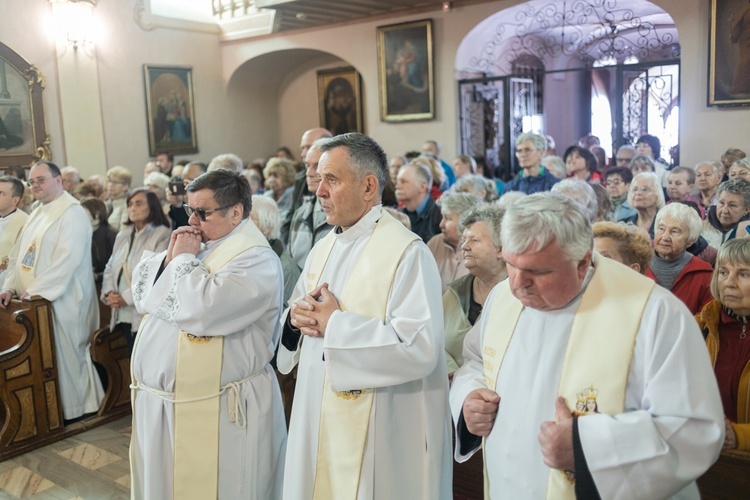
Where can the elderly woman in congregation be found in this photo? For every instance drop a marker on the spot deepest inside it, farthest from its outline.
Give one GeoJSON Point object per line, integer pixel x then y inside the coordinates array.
{"type": "Point", "coordinates": [646, 197]}
{"type": "Point", "coordinates": [624, 243]}
{"type": "Point", "coordinates": [724, 323]}
{"type": "Point", "coordinates": [673, 267]}
{"type": "Point", "coordinates": [732, 207]}
{"type": "Point", "coordinates": [464, 299]}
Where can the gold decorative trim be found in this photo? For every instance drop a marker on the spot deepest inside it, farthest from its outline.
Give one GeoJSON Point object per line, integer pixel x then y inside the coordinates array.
{"type": "Point", "coordinates": [198, 340]}
{"type": "Point", "coordinates": [138, 11]}
{"type": "Point", "coordinates": [34, 76]}
{"type": "Point", "coordinates": [43, 152]}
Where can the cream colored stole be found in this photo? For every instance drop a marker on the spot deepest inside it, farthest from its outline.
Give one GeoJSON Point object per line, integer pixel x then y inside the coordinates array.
{"type": "Point", "coordinates": [9, 235]}
{"type": "Point", "coordinates": [599, 352]}
{"type": "Point", "coordinates": [345, 416]}
{"type": "Point", "coordinates": [27, 268]}
{"type": "Point", "coordinates": [197, 378]}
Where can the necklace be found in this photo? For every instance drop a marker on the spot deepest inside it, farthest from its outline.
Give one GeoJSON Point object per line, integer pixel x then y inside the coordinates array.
{"type": "Point", "coordinates": [741, 319]}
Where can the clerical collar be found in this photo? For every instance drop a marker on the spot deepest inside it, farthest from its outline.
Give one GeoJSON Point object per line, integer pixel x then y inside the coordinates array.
{"type": "Point", "coordinates": [4, 216]}
{"type": "Point", "coordinates": [362, 227]}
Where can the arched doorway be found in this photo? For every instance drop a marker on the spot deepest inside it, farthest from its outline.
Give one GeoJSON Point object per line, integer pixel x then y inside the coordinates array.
{"type": "Point", "coordinates": [567, 68]}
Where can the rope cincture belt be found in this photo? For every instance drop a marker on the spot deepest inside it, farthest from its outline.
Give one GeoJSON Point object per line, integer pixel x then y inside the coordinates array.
{"type": "Point", "coordinates": [235, 409]}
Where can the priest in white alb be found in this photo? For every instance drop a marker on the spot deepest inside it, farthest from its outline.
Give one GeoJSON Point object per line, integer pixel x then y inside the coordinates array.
{"type": "Point", "coordinates": [12, 218]}
{"type": "Point", "coordinates": [208, 421]}
{"type": "Point", "coordinates": [52, 258]}
{"type": "Point", "coordinates": [582, 379]}
{"type": "Point", "coordinates": [370, 418]}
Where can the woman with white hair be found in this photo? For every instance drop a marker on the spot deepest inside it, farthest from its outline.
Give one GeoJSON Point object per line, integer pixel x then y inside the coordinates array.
{"type": "Point", "coordinates": [647, 197]}
{"type": "Point", "coordinates": [266, 217]}
{"type": "Point", "coordinates": [673, 267]}
{"type": "Point", "coordinates": [707, 179]}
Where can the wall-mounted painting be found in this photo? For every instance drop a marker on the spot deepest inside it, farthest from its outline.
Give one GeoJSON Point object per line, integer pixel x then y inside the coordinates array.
{"type": "Point", "coordinates": [340, 100]}
{"type": "Point", "coordinates": [23, 133]}
{"type": "Point", "coordinates": [729, 53]}
{"type": "Point", "coordinates": [405, 71]}
{"type": "Point", "coordinates": [170, 110]}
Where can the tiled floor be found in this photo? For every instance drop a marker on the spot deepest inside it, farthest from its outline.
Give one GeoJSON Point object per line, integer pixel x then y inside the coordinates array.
{"type": "Point", "coordinates": [89, 466]}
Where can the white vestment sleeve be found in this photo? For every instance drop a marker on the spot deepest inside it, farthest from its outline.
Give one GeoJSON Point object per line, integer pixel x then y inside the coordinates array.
{"type": "Point", "coordinates": [362, 352]}
{"type": "Point", "coordinates": [188, 296]}
{"type": "Point", "coordinates": [470, 376]}
{"type": "Point", "coordinates": [672, 428]}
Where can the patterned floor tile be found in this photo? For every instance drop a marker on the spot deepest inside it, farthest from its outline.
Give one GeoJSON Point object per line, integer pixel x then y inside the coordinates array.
{"type": "Point", "coordinates": [21, 482]}
{"type": "Point", "coordinates": [89, 456]}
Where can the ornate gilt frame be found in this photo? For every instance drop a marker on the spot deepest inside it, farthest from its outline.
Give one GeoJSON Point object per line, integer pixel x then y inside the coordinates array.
{"type": "Point", "coordinates": [37, 149]}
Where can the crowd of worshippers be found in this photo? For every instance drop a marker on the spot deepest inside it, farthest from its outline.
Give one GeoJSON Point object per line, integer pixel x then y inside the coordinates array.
{"type": "Point", "coordinates": [450, 253]}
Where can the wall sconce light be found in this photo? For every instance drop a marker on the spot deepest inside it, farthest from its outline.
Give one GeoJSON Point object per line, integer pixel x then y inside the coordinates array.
{"type": "Point", "coordinates": [73, 22]}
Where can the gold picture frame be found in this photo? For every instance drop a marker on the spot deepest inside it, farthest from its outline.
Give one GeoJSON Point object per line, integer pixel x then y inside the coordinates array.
{"type": "Point", "coordinates": [340, 100]}
{"type": "Point", "coordinates": [23, 130]}
{"type": "Point", "coordinates": [170, 110]}
{"type": "Point", "coordinates": [405, 71]}
{"type": "Point", "coordinates": [729, 53]}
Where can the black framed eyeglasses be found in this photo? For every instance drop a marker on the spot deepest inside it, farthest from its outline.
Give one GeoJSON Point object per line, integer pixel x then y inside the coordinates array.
{"type": "Point", "coordinates": [201, 213]}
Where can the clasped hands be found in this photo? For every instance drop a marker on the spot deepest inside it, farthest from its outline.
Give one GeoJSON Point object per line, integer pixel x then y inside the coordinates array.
{"type": "Point", "coordinates": [185, 239]}
{"type": "Point", "coordinates": [311, 313]}
{"type": "Point", "coordinates": [555, 438]}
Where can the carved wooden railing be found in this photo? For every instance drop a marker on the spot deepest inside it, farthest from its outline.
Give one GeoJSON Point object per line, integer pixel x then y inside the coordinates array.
{"type": "Point", "coordinates": [30, 405]}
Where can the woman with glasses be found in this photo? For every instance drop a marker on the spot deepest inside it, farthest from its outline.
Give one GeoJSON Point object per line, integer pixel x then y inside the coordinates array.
{"type": "Point", "coordinates": [646, 197]}
{"type": "Point", "coordinates": [740, 168]}
{"type": "Point", "coordinates": [533, 177]}
{"type": "Point", "coordinates": [146, 229]}
{"type": "Point", "coordinates": [118, 183]}
{"type": "Point", "coordinates": [617, 181]}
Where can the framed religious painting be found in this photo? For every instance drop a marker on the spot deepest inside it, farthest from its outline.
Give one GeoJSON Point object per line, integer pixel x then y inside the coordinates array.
{"type": "Point", "coordinates": [23, 132]}
{"type": "Point", "coordinates": [340, 100]}
{"type": "Point", "coordinates": [405, 71]}
{"type": "Point", "coordinates": [170, 110]}
{"type": "Point", "coordinates": [729, 53]}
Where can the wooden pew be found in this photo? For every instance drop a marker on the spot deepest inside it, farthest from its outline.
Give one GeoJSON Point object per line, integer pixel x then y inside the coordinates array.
{"type": "Point", "coordinates": [30, 405]}
{"type": "Point", "coordinates": [29, 390]}
{"type": "Point", "coordinates": [728, 478]}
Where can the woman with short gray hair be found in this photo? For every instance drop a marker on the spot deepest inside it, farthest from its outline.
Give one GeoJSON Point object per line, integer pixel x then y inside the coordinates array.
{"type": "Point", "coordinates": [464, 299]}
{"type": "Point", "coordinates": [677, 227]}
{"type": "Point", "coordinates": [732, 208]}
{"type": "Point", "coordinates": [647, 197]}
{"type": "Point", "coordinates": [445, 245]}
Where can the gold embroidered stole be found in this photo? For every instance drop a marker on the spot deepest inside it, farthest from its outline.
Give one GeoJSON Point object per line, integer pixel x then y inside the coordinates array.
{"type": "Point", "coordinates": [9, 235]}
{"type": "Point", "coordinates": [345, 416]}
{"type": "Point", "coordinates": [26, 271]}
{"type": "Point", "coordinates": [197, 377]}
{"type": "Point", "coordinates": [599, 352]}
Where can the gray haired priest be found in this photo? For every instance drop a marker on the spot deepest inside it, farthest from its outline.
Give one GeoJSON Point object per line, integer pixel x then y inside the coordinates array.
{"type": "Point", "coordinates": [370, 418]}
{"type": "Point", "coordinates": [582, 378]}
{"type": "Point", "coordinates": [208, 421]}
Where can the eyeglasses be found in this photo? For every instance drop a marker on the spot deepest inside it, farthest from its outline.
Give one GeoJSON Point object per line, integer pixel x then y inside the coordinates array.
{"type": "Point", "coordinates": [613, 182]}
{"type": "Point", "coordinates": [524, 151]}
{"type": "Point", "coordinates": [624, 160]}
{"type": "Point", "coordinates": [200, 212]}
{"type": "Point", "coordinates": [38, 181]}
